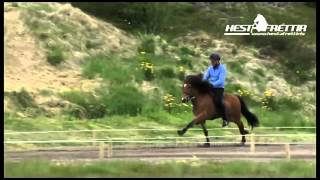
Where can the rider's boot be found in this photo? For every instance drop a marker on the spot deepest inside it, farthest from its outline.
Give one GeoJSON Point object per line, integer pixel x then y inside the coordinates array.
{"type": "Point", "coordinates": [224, 119]}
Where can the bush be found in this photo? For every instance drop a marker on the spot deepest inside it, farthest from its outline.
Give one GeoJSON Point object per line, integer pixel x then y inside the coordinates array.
{"type": "Point", "coordinates": [259, 72]}
{"type": "Point", "coordinates": [288, 103]}
{"type": "Point", "coordinates": [300, 60]}
{"type": "Point", "coordinates": [143, 17]}
{"type": "Point", "coordinates": [56, 55]}
{"type": "Point", "coordinates": [92, 44]}
{"type": "Point", "coordinates": [88, 105]}
{"type": "Point", "coordinates": [14, 4]}
{"type": "Point", "coordinates": [246, 94]}
{"type": "Point", "coordinates": [112, 68]}
{"type": "Point", "coordinates": [167, 72]}
{"type": "Point", "coordinates": [182, 73]}
{"type": "Point", "coordinates": [267, 52]}
{"type": "Point", "coordinates": [172, 105]}
{"type": "Point", "coordinates": [236, 67]}
{"type": "Point", "coordinates": [187, 51]}
{"type": "Point", "coordinates": [123, 99]}
{"type": "Point", "coordinates": [185, 60]}
{"type": "Point", "coordinates": [152, 103]}
{"type": "Point", "coordinates": [148, 70]}
{"type": "Point", "coordinates": [268, 101]}
{"type": "Point", "coordinates": [170, 86]}
{"type": "Point", "coordinates": [22, 99]}
{"type": "Point", "coordinates": [232, 88]}
{"type": "Point", "coordinates": [148, 45]}
{"type": "Point", "coordinates": [234, 51]}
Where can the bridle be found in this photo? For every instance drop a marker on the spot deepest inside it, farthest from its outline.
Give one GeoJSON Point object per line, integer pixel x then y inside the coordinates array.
{"type": "Point", "coordinates": [189, 97]}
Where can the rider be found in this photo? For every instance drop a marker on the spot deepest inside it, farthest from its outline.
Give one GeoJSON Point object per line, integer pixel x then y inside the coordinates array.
{"type": "Point", "coordinates": [216, 75]}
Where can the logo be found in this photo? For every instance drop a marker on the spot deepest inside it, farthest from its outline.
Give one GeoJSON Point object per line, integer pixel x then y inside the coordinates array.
{"type": "Point", "coordinates": [260, 27]}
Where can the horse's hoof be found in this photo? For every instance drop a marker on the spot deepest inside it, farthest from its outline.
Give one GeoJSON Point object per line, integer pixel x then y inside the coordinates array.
{"type": "Point", "coordinates": [242, 143]}
{"type": "Point", "coordinates": [204, 145]}
{"type": "Point", "coordinates": [180, 132]}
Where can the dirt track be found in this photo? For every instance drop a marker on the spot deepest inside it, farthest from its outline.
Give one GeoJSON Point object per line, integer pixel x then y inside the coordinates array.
{"type": "Point", "coordinates": [217, 152]}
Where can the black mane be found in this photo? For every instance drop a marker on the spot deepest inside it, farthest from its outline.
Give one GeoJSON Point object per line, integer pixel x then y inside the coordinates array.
{"type": "Point", "coordinates": [197, 83]}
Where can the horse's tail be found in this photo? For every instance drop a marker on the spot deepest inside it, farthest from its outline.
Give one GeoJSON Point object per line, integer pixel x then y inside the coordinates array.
{"type": "Point", "coordinates": [251, 118]}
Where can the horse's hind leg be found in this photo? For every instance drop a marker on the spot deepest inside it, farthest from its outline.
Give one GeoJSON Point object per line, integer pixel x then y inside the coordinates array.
{"type": "Point", "coordinates": [243, 132]}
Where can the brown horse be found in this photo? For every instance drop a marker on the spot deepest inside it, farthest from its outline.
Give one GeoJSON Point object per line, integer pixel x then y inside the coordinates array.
{"type": "Point", "coordinates": [200, 94]}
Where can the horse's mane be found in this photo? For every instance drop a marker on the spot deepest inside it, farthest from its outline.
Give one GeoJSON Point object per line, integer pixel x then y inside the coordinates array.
{"type": "Point", "coordinates": [196, 82]}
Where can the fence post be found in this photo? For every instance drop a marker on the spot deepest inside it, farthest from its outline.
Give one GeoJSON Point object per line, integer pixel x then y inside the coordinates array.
{"type": "Point", "coordinates": [101, 150]}
{"type": "Point", "coordinates": [94, 137]}
{"type": "Point", "coordinates": [287, 149]}
{"type": "Point", "coordinates": [252, 144]}
{"type": "Point", "coordinates": [109, 155]}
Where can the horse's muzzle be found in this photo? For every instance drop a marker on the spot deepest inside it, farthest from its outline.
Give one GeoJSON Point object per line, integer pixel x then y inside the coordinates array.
{"type": "Point", "coordinates": [185, 99]}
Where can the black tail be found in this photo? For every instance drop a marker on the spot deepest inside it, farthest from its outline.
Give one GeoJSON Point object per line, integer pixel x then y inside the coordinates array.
{"type": "Point", "coordinates": [251, 118]}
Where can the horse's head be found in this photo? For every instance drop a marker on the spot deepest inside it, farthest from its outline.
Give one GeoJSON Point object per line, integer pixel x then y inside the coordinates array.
{"type": "Point", "coordinates": [190, 84]}
{"type": "Point", "coordinates": [186, 93]}
{"type": "Point", "coordinates": [260, 23]}
{"type": "Point", "coordinates": [186, 90]}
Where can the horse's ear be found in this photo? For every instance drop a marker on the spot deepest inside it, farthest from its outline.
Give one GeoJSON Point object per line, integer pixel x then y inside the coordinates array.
{"type": "Point", "coordinates": [200, 75]}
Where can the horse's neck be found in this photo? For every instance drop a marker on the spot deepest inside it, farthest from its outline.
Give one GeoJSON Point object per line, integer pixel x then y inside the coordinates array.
{"type": "Point", "coordinates": [197, 98]}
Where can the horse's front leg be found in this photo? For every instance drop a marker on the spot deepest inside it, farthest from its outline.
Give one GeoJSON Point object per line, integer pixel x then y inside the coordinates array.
{"type": "Point", "coordinates": [201, 117]}
{"type": "Point", "coordinates": [205, 131]}
{"type": "Point", "coordinates": [184, 130]}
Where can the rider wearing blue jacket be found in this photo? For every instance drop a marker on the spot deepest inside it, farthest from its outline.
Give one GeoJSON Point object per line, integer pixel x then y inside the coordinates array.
{"type": "Point", "coordinates": [216, 75]}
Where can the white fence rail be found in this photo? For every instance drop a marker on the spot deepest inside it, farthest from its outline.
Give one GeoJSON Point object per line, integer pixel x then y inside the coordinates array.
{"type": "Point", "coordinates": [105, 130]}
{"type": "Point", "coordinates": [107, 143]}
{"type": "Point", "coordinates": [160, 138]}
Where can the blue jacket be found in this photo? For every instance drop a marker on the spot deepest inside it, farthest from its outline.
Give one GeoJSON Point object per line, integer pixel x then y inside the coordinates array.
{"type": "Point", "coordinates": [216, 76]}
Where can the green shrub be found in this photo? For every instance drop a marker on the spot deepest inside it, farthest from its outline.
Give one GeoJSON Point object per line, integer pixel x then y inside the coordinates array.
{"type": "Point", "coordinates": [236, 67]}
{"type": "Point", "coordinates": [56, 55]}
{"type": "Point", "coordinates": [112, 68]}
{"type": "Point", "coordinates": [185, 60]}
{"type": "Point", "coordinates": [152, 103]}
{"type": "Point", "coordinates": [170, 86]}
{"type": "Point", "coordinates": [14, 4]}
{"type": "Point", "coordinates": [234, 50]}
{"type": "Point", "coordinates": [246, 94]}
{"type": "Point", "coordinates": [299, 60]}
{"type": "Point", "coordinates": [182, 73]}
{"type": "Point", "coordinates": [92, 44]}
{"type": "Point", "coordinates": [123, 99]}
{"type": "Point", "coordinates": [167, 72]}
{"type": "Point", "coordinates": [148, 70]}
{"type": "Point", "coordinates": [289, 103]}
{"type": "Point", "coordinates": [232, 88]}
{"type": "Point", "coordinates": [187, 51]}
{"type": "Point", "coordinates": [88, 105]}
{"type": "Point", "coordinates": [148, 45]}
{"type": "Point", "coordinates": [268, 100]}
{"type": "Point", "coordinates": [22, 99]}
{"type": "Point", "coordinates": [267, 52]}
{"type": "Point", "coordinates": [260, 72]}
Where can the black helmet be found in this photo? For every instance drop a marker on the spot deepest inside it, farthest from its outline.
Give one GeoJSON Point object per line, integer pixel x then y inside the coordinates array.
{"type": "Point", "coordinates": [214, 56]}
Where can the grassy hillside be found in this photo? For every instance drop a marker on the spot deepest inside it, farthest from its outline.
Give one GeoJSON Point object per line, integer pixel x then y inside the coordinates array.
{"type": "Point", "coordinates": [177, 19]}
{"type": "Point", "coordinates": [140, 71]}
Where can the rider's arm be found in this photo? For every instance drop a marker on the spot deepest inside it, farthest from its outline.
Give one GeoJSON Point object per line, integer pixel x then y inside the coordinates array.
{"type": "Point", "coordinates": [206, 75]}
{"type": "Point", "coordinates": [222, 77]}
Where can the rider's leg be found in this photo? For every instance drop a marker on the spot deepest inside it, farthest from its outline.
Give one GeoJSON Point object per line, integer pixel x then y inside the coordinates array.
{"type": "Point", "coordinates": [220, 105]}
